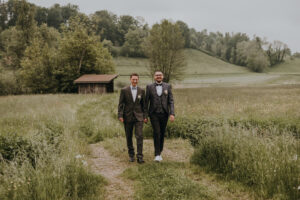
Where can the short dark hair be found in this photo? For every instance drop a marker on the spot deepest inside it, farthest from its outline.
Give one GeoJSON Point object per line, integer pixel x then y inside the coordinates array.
{"type": "Point", "coordinates": [134, 74]}
{"type": "Point", "coordinates": [158, 71]}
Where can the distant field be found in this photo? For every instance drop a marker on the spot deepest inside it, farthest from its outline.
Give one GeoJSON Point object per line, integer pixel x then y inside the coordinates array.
{"type": "Point", "coordinates": [201, 63]}
{"type": "Point", "coordinates": [197, 63]}
{"type": "Point", "coordinates": [288, 67]}
{"type": "Point", "coordinates": [207, 71]}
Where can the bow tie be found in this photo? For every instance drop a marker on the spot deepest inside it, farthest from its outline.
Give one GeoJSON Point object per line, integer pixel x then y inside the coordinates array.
{"type": "Point", "coordinates": [133, 88]}
{"type": "Point", "coordinates": [158, 84]}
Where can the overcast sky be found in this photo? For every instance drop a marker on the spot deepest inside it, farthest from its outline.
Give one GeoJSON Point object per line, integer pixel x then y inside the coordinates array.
{"type": "Point", "coordinates": [273, 19]}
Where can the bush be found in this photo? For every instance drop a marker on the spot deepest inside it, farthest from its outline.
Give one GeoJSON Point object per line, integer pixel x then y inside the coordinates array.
{"type": "Point", "coordinates": [193, 129]}
{"type": "Point", "coordinates": [14, 147]}
{"type": "Point", "coordinates": [9, 83]}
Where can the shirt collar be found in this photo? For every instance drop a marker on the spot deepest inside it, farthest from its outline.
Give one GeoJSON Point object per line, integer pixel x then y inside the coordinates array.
{"type": "Point", "coordinates": [132, 87]}
{"type": "Point", "coordinates": [158, 84]}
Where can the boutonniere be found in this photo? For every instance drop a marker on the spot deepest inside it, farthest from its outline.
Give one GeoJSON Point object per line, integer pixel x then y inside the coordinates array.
{"type": "Point", "coordinates": [139, 96]}
{"type": "Point", "coordinates": [166, 92]}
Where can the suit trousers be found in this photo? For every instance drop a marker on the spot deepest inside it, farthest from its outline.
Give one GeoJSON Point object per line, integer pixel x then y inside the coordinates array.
{"type": "Point", "coordinates": [159, 123]}
{"type": "Point", "coordinates": [138, 126]}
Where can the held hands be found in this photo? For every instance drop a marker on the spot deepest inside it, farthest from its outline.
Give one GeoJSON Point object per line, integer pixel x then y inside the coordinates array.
{"type": "Point", "coordinates": [172, 118]}
{"type": "Point", "coordinates": [121, 119]}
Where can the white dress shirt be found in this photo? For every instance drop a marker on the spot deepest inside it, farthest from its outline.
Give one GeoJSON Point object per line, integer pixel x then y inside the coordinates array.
{"type": "Point", "coordinates": [133, 92]}
{"type": "Point", "coordinates": [159, 89]}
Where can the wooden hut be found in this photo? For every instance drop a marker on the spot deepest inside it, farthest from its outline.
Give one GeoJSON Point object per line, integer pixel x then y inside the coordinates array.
{"type": "Point", "coordinates": [96, 83]}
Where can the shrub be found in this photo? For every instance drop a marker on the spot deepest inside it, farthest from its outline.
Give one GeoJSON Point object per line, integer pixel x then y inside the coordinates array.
{"type": "Point", "coordinates": [14, 147]}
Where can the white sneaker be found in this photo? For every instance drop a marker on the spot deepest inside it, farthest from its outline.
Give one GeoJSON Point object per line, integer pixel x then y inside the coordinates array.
{"type": "Point", "coordinates": [157, 158]}
{"type": "Point", "coordinates": [160, 158]}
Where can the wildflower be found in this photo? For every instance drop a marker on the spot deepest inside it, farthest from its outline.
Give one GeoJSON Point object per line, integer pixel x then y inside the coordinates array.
{"type": "Point", "coordinates": [84, 162]}
{"type": "Point", "coordinates": [78, 156]}
{"type": "Point", "coordinates": [295, 157]}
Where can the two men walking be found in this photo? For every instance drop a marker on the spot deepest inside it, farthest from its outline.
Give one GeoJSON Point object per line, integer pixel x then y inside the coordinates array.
{"type": "Point", "coordinates": [134, 108]}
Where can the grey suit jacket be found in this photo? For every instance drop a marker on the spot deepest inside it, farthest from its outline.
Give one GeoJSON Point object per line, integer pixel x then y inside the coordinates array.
{"type": "Point", "coordinates": [130, 110]}
{"type": "Point", "coordinates": [152, 100]}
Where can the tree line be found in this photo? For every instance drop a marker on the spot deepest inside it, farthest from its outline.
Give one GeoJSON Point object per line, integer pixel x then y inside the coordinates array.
{"type": "Point", "coordinates": [46, 49]}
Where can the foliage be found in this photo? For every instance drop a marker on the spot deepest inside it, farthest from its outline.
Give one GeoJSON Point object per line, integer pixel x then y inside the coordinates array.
{"type": "Point", "coordinates": [185, 30]}
{"type": "Point", "coordinates": [15, 40]}
{"type": "Point", "coordinates": [115, 52]}
{"type": "Point", "coordinates": [134, 40]}
{"type": "Point", "coordinates": [80, 53]}
{"type": "Point", "coordinates": [12, 48]}
{"type": "Point", "coordinates": [164, 48]}
{"type": "Point", "coordinates": [9, 83]}
{"type": "Point", "coordinates": [39, 62]}
{"type": "Point", "coordinates": [250, 54]}
{"type": "Point", "coordinates": [277, 51]}
{"type": "Point", "coordinates": [106, 25]}
{"type": "Point", "coordinates": [296, 55]}
{"type": "Point", "coordinates": [14, 147]}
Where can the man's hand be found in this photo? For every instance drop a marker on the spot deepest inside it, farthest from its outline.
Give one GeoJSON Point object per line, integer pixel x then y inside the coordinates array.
{"type": "Point", "coordinates": [172, 118]}
{"type": "Point", "coordinates": [121, 119]}
{"type": "Point", "coordinates": [145, 120]}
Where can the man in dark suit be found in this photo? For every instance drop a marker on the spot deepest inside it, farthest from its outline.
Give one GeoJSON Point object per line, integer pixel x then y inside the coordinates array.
{"type": "Point", "coordinates": [160, 106]}
{"type": "Point", "coordinates": [132, 112]}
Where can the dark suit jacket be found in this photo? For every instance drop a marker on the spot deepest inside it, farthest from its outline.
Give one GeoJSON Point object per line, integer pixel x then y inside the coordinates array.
{"type": "Point", "coordinates": [130, 110]}
{"type": "Point", "coordinates": [153, 100]}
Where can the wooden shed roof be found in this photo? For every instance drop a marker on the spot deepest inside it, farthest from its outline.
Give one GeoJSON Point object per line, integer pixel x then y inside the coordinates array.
{"type": "Point", "coordinates": [96, 78]}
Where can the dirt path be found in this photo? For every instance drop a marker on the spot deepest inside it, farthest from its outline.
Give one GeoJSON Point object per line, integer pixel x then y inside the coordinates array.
{"type": "Point", "coordinates": [111, 168]}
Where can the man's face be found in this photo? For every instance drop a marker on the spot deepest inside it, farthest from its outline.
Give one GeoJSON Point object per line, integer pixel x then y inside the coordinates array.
{"type": "Point", "coordinates": [158, 77]}
{"type": "Point", "coordinates": [134, 80]}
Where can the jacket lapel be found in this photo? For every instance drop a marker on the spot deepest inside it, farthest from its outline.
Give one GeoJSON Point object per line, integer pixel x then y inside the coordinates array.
{"type": "Point", "coordinates": [138, 92]}
{"type": "Point", "coordinates": [154, 89]}
{"type": "Point", "coordinates": [130, 94]}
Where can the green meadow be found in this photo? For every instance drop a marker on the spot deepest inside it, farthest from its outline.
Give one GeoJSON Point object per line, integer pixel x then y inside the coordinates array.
{"type": "Point", "coordinates": [236, 136]}
{"type": "Point", "coordinates": [226, 143]}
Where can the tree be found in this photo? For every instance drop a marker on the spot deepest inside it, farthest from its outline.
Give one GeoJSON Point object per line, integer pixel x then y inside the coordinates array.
{"type": "Point", "coordinates": [250, 54]}
{"type": "Point", "coordinates": [134, 40]}
{"type": "Point", "coordinates": [105, 24]}
{"type": "Point", "coordinates": [25, 20]}
{"type": "Point", "coordinates": [37, 71]}
{"type": "Point", "coordinates": [80, 52]}
{"type": "Point", "coordinates": [12, 48]}
{"type": "Point", "coordinates": [125, 23]}
{"type": "Point", "coordinates": [184, 28]}
{"type": "Point", "coordinates": [164, 47]}
{"type": "Point", "coordinates": [277, 51]}
{"type": "Point", "coordinates": [15, 39]}
{"type": "Point", "coordinates": [39, 61]}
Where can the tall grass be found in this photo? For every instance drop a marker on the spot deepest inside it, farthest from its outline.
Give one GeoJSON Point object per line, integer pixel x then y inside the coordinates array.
{"type": "Point", "coordinates": [165, 181]}
{"type": "Point", "coordinates": [38, 146]}
{"type": "Point", "coordinates": [268, 164]}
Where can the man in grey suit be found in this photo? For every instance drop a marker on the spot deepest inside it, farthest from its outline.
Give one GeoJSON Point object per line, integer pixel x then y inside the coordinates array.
{"type": "Point", "coordinates": [132, 112]}
{"type": "Point", "coordinates": [160, 106]}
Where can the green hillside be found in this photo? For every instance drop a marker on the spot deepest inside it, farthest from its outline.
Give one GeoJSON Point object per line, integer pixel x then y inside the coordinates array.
{"type": "Point", "coordinates": [201, 63]}
{"type": "Point", "coordinates": [197, 63]}
{"type": "Point", "coordinates": [204, 70]}
{"type": "Point", "coordinates": [288, 67]}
